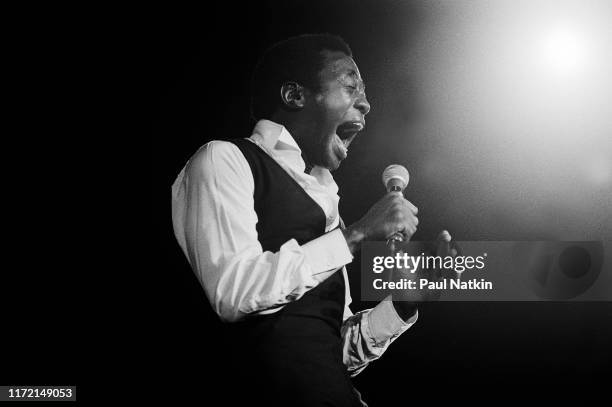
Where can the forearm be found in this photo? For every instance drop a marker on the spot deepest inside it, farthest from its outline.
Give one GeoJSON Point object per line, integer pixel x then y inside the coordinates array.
{"type": "Point", "coordinates": [239, 284]}
{"type": "Point", "coordinates": [353, 235]}
{"type": "Point", "coordinates": [251, 281]}
{"type": "Point", "coordinates": [405, 310]}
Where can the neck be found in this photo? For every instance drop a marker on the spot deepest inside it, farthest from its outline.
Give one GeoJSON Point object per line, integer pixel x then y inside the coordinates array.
{"type": "Point", "coordinates": [300, 129]}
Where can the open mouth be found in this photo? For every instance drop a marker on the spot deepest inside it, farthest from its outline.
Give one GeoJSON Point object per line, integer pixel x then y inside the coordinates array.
{"type": "Point", "coordinates": [348, 131]}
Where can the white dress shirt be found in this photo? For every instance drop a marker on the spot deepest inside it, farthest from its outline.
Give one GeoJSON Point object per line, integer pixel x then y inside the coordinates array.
{"type": "Point", "coordinates": [214, 221]}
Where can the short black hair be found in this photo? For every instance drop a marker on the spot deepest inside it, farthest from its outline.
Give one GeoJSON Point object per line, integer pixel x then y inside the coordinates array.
{"type": "Point", "coordinates": [298, 59]}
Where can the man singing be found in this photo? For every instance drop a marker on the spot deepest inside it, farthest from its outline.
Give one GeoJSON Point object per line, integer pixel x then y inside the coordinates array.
{"type": "Point", "coordinates": [258, 221]}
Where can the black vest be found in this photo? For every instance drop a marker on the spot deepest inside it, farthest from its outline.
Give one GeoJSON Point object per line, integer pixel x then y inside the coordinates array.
{"type": "Point", "coordinates": [297, 351]}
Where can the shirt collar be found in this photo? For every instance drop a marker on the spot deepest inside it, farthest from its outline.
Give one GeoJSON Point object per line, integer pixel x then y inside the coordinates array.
{"type": "Point", "coordinates": [277, 140]}
{"type": "Point", "coordinates": [274, 136]}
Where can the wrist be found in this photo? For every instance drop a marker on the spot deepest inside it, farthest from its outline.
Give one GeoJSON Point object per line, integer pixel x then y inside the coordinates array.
{"type": "Point", "coordinates": [353, 236]}
{"type": "Point", "coordinates": [405, 309]}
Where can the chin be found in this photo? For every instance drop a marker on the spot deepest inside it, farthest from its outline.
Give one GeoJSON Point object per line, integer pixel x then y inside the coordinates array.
{"type": "Point", "coordinates": [333, 164]}
{"type": "Point", "coordinates": [328, 159]}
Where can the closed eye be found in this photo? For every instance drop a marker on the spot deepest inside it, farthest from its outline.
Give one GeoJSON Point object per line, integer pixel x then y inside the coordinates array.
{"type": "Point", "coordinates": [352, 85]}
{"type": "Point", "coordinates": [360, 87]}
{"type": "Point", "coordinates": [353, 88]}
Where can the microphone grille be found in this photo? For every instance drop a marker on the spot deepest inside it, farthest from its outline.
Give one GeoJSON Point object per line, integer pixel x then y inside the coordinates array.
{"type": "Point", "coordinates": [395, 171]}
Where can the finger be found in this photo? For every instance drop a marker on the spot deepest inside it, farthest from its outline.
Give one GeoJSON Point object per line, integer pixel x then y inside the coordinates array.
{"type": "Point", "coordinates": [394, 194]}
{"type": "Point", "coordinates": [444, 236]}
{"type": "Point", "coordinates": [444, 239]}
{"type": "Point", "coordinates": [411, 206]}
{"type": "Point", "coordinates": [457, 249]}
{"type": "Point", "coordinates": [408, 231]}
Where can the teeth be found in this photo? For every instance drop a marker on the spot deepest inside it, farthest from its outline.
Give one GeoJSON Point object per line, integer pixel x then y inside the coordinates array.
{"type": "Point", "coordinates": [353, 127]}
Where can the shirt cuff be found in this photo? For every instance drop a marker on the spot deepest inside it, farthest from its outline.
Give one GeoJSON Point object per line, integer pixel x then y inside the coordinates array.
{"type": "Point", "coordinates": [385, 324]}
{"type": "Point", "coordinates": [327, 253]}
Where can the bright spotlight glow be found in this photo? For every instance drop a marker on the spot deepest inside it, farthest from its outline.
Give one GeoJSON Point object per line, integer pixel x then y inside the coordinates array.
{"type": "Point", "coordinates": [599, 171]}
{"type": "Point", "coordinates": [519, 95]}
{"type": "Point", "coordinates": [564, 51]}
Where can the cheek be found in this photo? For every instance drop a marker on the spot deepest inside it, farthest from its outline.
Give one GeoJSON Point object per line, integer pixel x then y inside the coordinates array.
{"type": "Point", "coordinates": [339, 103]}
{"type": "Point", "coordinates": [336, 106]}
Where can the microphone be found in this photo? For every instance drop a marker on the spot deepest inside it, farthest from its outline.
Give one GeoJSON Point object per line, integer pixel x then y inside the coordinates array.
{"type": "Point", "coordinates": [395, 179]}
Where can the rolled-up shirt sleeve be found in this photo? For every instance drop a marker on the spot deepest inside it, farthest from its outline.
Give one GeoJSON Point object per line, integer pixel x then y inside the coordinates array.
{"type": "Point", "coordinates": [215, 221]}
{"type": "Point", "coordinates": [367, 334]}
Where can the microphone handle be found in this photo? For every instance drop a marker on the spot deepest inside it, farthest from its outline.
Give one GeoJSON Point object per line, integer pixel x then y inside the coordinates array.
{"type": "Point", "coordinates": [393, 240]}
{"type": "Point", "coordinates": [397, 236]}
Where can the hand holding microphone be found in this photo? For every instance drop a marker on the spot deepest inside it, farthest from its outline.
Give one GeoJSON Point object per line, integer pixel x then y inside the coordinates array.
{"type": "Point", "coordinates": [394, 219]}
{"type": "Point", "coordinates": [392, 216]}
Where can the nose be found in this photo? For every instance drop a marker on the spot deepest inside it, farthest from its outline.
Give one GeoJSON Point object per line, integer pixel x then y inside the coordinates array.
{"type": "Point", "coordinates": [362, 104]}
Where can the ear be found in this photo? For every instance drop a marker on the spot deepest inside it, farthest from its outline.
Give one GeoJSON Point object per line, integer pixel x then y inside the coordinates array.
{"type": "Point", "coordinates": [292, 95]}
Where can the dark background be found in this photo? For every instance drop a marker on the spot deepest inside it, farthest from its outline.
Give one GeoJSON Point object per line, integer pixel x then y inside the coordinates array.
{"type": "Point", "coordinates": [201, 62]}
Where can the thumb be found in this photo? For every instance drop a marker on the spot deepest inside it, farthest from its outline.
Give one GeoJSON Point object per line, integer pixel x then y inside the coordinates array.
{"type": "Point", "coordinates": [443, 242]}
